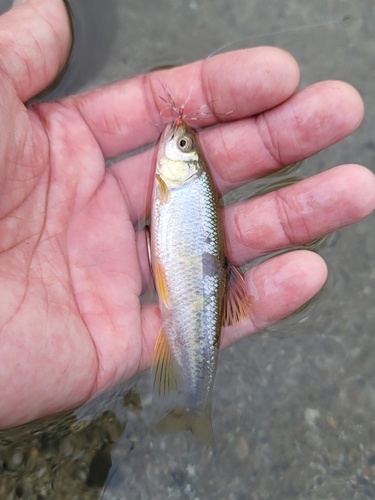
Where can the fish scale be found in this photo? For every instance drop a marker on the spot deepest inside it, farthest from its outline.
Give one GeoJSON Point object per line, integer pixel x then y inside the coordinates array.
{"type": "Point", "coordinates": [194, 328]}
{"type": "Point", "coordinates": [191, 276]}
{"type": "Point", "coordinates": [186, 229]}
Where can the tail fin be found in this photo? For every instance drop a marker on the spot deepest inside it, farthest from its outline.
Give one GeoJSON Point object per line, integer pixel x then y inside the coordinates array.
{"type": "Point", "coordinates": [198, 423]}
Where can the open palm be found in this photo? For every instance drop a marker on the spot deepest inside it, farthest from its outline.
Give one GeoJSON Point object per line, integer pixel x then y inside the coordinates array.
{"type": "Point", "coordinates": [73, 265]}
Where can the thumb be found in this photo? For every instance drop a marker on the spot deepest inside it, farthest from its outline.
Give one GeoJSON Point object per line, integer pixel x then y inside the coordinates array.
{"type": "Point", "coordinates": [34, 44]}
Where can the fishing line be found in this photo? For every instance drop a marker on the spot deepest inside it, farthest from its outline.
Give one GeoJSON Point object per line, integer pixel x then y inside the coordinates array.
{"type": "Point", "coordinates": [330, 22]}
{"type": "Point", "coordinates": [179, 110]}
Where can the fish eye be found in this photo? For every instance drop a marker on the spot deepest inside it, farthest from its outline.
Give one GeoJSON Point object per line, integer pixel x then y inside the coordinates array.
{"type": "Point", "coordinates": [185, 144]}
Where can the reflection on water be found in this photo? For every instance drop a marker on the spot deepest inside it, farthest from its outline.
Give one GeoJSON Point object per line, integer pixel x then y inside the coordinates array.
{"type": "Point", "coordinates": [93, 40]}
{"type": "Point", "coordinates": [94, 35]}
{"type": "Point", "coordinates": [272, 182]}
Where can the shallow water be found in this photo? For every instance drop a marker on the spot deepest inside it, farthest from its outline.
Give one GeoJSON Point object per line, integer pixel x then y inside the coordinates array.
{"type": "Point", "coordinates": [294, 407]}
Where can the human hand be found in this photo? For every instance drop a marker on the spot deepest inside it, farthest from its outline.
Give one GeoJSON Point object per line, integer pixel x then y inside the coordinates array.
{"type": "Point", "coordinates": [72, 264]}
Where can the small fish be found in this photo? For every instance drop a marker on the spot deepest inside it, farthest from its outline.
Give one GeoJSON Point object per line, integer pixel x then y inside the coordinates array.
{"type": "Point", "coordinates": [199, 290]}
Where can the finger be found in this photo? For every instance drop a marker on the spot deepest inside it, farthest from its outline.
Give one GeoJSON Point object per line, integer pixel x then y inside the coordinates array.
{"type": "Point", "coordinates": [291, 216]}
{"type": "Point", "coordinates": [298, 214]}
{"type": "Point", "coordinates": [278, 286]}
{"type": "Point", "coordinates": [122, 117]}
{"type": "Point", "coordinates": [312, 119]}
{"type": "Point", "coordinates": [34, 44]}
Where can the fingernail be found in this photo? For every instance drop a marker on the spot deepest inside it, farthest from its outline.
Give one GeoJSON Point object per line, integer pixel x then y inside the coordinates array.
{"type": "Point", "coordinates": [18, 2]}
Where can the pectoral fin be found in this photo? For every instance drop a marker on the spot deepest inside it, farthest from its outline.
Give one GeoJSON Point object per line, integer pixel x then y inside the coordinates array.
{"type": "Point", "coordinates": [237, 301]}
{"type": "Point", "coordinates": [163, 190]}
{"type": "Point", "coordinates": [165, 370]}
{"type": "Point", "coordinates": [161, 283]}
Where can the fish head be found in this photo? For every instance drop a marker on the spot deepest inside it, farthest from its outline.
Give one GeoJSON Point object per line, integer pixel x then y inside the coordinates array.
{"type": "Point", "coordinates": [178, 155]}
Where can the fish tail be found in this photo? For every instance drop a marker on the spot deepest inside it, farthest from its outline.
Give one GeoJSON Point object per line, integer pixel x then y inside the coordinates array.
{"type": "Point", "coordinates": [197, 422]}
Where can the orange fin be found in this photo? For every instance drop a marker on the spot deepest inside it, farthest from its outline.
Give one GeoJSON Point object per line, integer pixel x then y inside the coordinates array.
{"type": "Point", "coordinates": [165, 371]}
{"type": "Point", "coordinates": [163, 189]}
{"type": "Point", "coordinates": [161, 283]}
{"type": "Point", "coordinates": [198, 423]}
{"type": "Point", "coordinates": [237, 301]}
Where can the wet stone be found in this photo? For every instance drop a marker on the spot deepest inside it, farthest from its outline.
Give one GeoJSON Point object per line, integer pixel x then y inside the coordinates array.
{"type": "Point", "coordinates": [132, 399]}
{"type": "Point", "coordinates": [15, 461]}
{"type": "Point", "coordinates": [59, 458]}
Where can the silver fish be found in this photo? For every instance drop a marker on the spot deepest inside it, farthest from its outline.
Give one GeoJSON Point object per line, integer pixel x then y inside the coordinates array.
{"type": "Point", "coordinates": [198, 289]}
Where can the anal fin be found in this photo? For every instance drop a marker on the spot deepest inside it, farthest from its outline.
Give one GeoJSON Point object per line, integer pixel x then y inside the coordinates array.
{"type": "Point", "coordinates": [237, 301]}
{"type": "Point", "coordinates": [165, 370]}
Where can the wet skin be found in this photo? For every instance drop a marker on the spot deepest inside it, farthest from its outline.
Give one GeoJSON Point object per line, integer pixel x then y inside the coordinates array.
{"type": "Point", "coordinates": [72, 264]}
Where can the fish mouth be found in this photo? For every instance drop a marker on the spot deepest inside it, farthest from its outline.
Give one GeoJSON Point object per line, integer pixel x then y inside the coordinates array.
{"type": "Point", "coordinates": [167, 135]}
{"type": "Point", "coordinates": [168, 131]}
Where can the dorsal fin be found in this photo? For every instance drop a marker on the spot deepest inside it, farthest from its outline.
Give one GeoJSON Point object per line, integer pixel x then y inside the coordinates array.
{"type": "Point", "coordinates": [237, 301]}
